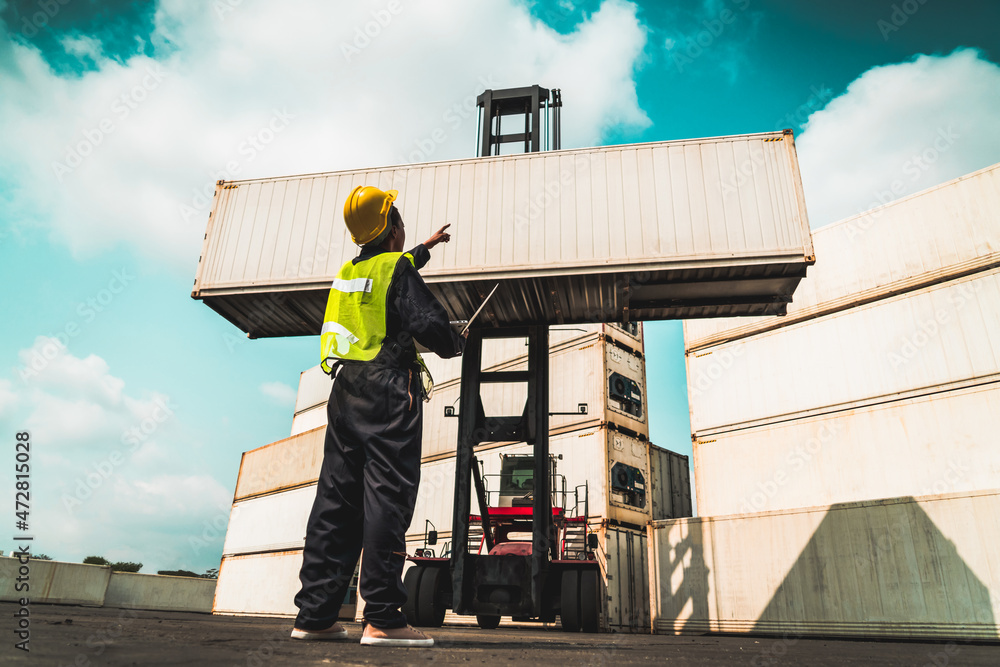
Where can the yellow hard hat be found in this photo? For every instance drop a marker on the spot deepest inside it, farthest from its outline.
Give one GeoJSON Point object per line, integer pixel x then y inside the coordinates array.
{"type": "Point", "coordinates": [366, 212]}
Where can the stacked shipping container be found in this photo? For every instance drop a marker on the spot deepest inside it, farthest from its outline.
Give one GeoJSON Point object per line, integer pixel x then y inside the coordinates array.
{"type": "Point", "coordinates": [845, 454]}
{"type": "Point", "coordinates": [276, 483]}
{"type": "Point", "coordinates": [880, 380]}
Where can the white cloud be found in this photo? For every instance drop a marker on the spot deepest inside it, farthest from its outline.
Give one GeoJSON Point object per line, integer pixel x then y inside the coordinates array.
{"type": "Point", "coordinates": [83, 46]}
{"type": "Point", "coordinates": [899, 129]}
{"type": "Point", "coordinates": [279, 392]}
{"type": "Point", "coordinates": [111, 469]}
{"type": "Point", "coordinates": [281, 88]}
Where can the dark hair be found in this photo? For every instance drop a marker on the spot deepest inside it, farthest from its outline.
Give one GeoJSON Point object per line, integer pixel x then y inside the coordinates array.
{"type": "Point", "coordinates": [395, 219]}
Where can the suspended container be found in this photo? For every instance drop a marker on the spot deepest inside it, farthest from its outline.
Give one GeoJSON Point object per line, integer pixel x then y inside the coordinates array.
{"type": "Point", "coordinates": [666, 230]}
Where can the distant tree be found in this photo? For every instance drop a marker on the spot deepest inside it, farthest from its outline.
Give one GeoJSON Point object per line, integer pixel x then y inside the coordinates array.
{"type": "Point", "coordinates": [122, 566]}
{"type": "Point", "coordinates": [177, 573]}
{"type": "Point", "coordinates": [211, 574]}
{"type": "Point", "coordinates": [40, 557]}
{"type": "Point", "coordinates": [96, 560]}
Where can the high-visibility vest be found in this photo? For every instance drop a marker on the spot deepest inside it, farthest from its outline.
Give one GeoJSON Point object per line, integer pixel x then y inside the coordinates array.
{"type": "Point", "coordinates": [355, 320]}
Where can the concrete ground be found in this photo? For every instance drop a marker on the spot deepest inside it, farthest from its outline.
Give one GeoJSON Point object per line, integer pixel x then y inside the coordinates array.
{"type": "Point", "coordinates": [81, 636]}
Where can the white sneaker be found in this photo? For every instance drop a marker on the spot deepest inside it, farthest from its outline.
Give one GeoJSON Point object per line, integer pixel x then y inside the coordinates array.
{"type": "Point", "coordinates": [335, 631]}
{"type": "Point", "coordinates": [405, 636]}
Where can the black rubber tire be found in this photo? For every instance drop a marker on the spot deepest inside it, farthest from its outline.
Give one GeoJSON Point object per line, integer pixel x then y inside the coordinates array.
{"type": "Point", "coordinates": [430, 597]}
{"type": "Point", "coordinates": [569, 614]}
{"type": "Point", "coordinates": [411, 582]}
{"type": "Point", "coordinates": [590, 601]}
{"type": "Point", "coordinates": [487, 622]}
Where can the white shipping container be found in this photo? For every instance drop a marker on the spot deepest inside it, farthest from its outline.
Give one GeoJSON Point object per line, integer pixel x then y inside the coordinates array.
{"type": "Point", "coordinates": [624, 559]}
{"type": "Point", "coordinates": [670, 486]}
{"type": "Point", "coordinates": [588, 457]}
{"type": "Point", "coordinates": [281, 465]}
{"type": "Point", "coordinates": [275, 522]}
{"type": "Point", "coordinates": [941, 232]}
{"type": "Point", "coordinates": [897, 568]}
{"type": "Point", "coordinates": [931, 339]}
{"type": "Point", "coordinates": [677, 229]}
{"type": "Point", "coordinates": [582, 371]}
{"type": "Point", "coordinates": [259, 584]}
{"type": "Point", "coordinates": [937, 443]}
{"type": "Point", "coordinates": [310, 419]}
{"type": "Point", "coordinates": [314, 384]}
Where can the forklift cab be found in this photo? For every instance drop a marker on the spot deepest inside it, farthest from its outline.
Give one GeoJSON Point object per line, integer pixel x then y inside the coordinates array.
{"type": "Point", "coordinates": [517, 480]}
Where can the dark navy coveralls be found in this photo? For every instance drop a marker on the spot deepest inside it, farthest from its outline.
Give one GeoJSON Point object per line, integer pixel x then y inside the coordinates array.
{"type": "Point", "coordinates": [371, 460]}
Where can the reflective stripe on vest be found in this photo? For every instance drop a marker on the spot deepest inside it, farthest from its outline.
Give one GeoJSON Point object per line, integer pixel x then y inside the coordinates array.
{"type": "Point", "coordinates": [355, 319]}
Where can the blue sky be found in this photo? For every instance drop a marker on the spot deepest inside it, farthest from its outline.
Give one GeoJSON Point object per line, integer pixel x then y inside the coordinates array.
{"type": "Point", "coordinates": [117, 117]}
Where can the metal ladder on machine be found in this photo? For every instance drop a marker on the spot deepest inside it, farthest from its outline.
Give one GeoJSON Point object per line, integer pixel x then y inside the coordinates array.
{"type": "Point", "coordinates": [574, 534]}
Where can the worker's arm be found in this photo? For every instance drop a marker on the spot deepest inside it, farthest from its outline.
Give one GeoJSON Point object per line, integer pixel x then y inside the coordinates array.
{"type": "Point", "coordinates": [421, 315]}
{"type": "Point", "coordinates": [421, 253]}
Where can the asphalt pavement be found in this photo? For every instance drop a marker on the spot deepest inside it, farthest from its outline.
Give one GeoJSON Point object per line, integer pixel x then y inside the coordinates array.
{"type": "Point", "coordinates": [82, 636]}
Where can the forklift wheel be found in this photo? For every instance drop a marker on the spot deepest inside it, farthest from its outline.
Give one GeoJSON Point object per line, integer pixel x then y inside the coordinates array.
{"type": "Point", "coordinates": [570, 601]}
{"type": "Point", "coordinates": [590, 602]}
{"type": "Point", "coordinates": [431, 597]}
{"type": "Point", "coordinates": [487, 622]}
{"type": "Point", "coordinates": [411, 582]}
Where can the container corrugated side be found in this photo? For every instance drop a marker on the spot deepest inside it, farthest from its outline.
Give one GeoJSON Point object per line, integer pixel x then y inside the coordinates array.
{"type": "Point", "coordinates": [587, 458]}
{"type": "Point", "coordinates": [670, 489]}
{"type": "Point", "coordinates": [275, 522]}
{"type": "Point", "coordinates": [281, 465]}
{"type": "Point", "coordinates": [259, 584]}
{"type": "Point", "coordinates": [577, 374]}
{"type": "Point", "coordinates": [314, 384]}
{"type": "Point", "coordinates": [932, 339]}
{"type": "Point", "coordinates": [939, 233]}
{"type": "Point", "coordinates": [902, 568]}
{"type": "Point", "coordinates": [580, 370]}
{"type": "Point", "coordinates": [624, 559]}
{"type": "Point", "coordinates": [725, 232]}
{"type": "Point", "coordinates": [942, 442]}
